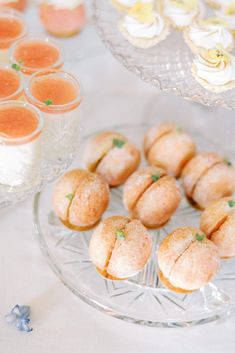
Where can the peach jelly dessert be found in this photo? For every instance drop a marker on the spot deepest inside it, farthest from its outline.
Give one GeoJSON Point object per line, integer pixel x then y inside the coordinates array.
{"type": "Point", "coordinates": [151, 196]}
{"type": "Point", "coordinates": [208, 177]}
{"type": "Point", "coordinates": [35, 54]}
{"type": "Point", "coordinates": [187, 260]}
{"type": "Point", "coordinates": [20, 136]}
{"type": "Point", "coordinates": [168, 147]}
{"type": "Point", "coordinates": [110, 154]}
{"type": "Point", "coordinates": [11, 86]}
{"type": "Point", "coordinates": [218, 223]}
{"type": "Point", "coordinates": [80, 198]}
{"type": "Point", "coordinates": [63, 18]}
{"type": "Point", "coordinates": [120, 247]}
{"type": "Point", "coordinates": [18, 5]}
{"type": "Point", "coordinates": [12, 28]}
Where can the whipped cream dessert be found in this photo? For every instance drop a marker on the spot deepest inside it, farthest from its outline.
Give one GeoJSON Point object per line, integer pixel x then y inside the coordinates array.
{"type": "Point", "coordinates": [143, 27]}
{"type": "Point", "coordinates": [20, 137]}
{"type": "Point", "coordinates": [215, 68]}
{"type": "Point", "coordinates": [227, 14]}
{"type": "Point", "coordinates": [144, 30]}
{"type": "Point", "coordinates": [181, 12]}
{"type": "Point", "coordinates": [64, 4]}
{"type": "Point", "coordinates": [207, 34]}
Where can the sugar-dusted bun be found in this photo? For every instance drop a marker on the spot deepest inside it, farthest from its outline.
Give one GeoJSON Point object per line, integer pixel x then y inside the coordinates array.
{"type": "Point", "coordinates": [112, 156]}
{"type": "Point", "coordinates": [187, 260]}
{"type": "Point", "coordinates": [218, 223]}
{"type": "Point", "coordinates": [196, 167]}
{"type": "Point", "coordinates": [151, 196]}
{"type": "Point", "coordinates": [206, 178]}
{"type": "Point", "coordinates": [80, 198]}
{"type": "Point", "coordinates": [168, 147]}
{"type": "Point", "coordinates": [120, 247]}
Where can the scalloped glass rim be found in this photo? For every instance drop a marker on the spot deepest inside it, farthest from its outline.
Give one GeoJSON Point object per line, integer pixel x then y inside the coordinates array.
{"type": "Point", "coordinates": [136, 299]}
{"type": "Point", "coordinates": [170, 73]}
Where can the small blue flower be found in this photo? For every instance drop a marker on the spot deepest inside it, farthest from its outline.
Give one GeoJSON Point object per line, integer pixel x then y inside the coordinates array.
{"type": "Point", "coordinates": [20, 318]}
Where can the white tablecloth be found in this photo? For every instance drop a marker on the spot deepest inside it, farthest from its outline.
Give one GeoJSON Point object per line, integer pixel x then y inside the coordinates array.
{"type": "Point", "coordinates": [62, 323]}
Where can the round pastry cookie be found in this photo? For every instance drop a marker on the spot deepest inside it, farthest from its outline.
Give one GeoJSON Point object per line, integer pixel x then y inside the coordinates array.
{"type": "Point", "coordinates": [111, 155]}
{"type": "Point", "coordinates": [214, 69]}
{"type": "Point", "coordinates": [168, 147]}
{"type": "Point", "coordinates": [187, 260]}
{"type": "Point", "coordinates": [80, 198]}
{"type": "Point", "coordinates": [207, 34]}
{"type": "Point", "coordinates": [207, 177]}
{"type": "Point", "coordinates": [181, 13]}
{"type": "Point", "coordinates": [120, 247]}
{"type": "Point", "coordinates": [218, 223]}
{"type": "Point", "coordinates": [151, 196]}
{"type": "Point", "coordinates": [143, 28]}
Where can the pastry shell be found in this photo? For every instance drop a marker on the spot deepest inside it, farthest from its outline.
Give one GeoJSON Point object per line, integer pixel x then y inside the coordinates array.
{"type": "Point", "coordinates": [80, 198]}
{"type": "Point", "coordinates": [153, 202]}
{"type": "Point", "coordinates": [185, 263]}
{"type": "Point", "coordinates": [114, 164]}
{"type": "Point", "coordinates": [171, 149]}
{"type": "Point", "coordinates": [207, 178]}
{"type": "Point", "coordinates": [116, 258]}
{"type": "Point", "coordinates": [218, 223]}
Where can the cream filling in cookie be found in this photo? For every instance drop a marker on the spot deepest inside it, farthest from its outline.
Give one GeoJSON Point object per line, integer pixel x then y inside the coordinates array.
{"type": "Point", "coordinates": [208, 36]}
{"type": "Point", "coordinates": [142, 30]}
{"type": "Point", "coordinates": [180, 12]}
{"type": "Point", "coordinates": [216, 67]}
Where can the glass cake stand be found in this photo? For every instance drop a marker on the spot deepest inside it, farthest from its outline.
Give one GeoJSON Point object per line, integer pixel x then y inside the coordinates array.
{"type": "Point", "coordinates": [166, 66]}
{"type": "Point", "coordinates": [142, 299]}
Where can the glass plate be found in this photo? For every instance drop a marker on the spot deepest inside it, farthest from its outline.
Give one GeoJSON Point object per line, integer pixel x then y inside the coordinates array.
{"type": "Point", "coordinates": [166, 66]}
{"type": "Point", "coordinates": [142, 299]}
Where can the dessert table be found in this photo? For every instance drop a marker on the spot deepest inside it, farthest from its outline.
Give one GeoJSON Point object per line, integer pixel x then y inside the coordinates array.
{"type": "Point", "coordinates": [60, 321]}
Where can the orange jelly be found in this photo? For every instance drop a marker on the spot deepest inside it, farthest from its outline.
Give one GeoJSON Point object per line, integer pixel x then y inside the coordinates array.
{"type": "Point", "coordinates": [19, 5]}
{"type": "Point", "coordinates": [17, 122]}
{"type": "Point", "coordinates": [9, 84]}
{"type": "Point", "coordinates": [35, 54]}
{"type": "Point", "coordinates": [57, 89]}
{"type": "Point", "coordinates": [11, 28]}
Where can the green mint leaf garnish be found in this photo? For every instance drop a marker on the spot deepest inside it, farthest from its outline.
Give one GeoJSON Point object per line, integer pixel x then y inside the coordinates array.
{"type": "Point", "coordinates": [120, 234]}
{"type": "Point", "coordinates": [69, 197]}
{"type": "Point", "coordinates": [179, 129]}
{"type": "Point", "coordinates": [200, 237]}
{"type": "Point", "coordinates": [118, 143]}
{"type": "Point", "coordinates": [48, 102]}
{"type": "Point", "coordinates": [226, 161]}
{"type": "Point", "coordinates": [16, 67]}
{"type": "Point", "coordinates": [231, 203]}
{"type": "Point", "coordinates": [155, 177]}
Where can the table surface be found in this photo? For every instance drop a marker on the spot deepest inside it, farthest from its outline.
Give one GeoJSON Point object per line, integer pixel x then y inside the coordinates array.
{"type": "Point", "coordinates": [62, 322]}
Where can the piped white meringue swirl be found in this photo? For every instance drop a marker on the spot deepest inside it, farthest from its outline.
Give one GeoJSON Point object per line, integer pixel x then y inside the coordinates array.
{"type": "Point", "coordinates": [215, 73]}
{"type": "Point", "coordinates": [210, 35]}
{"type": "Point", "coordinates": [142, 30]}
{"type": "Point", "coordinates": [179, 16]}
